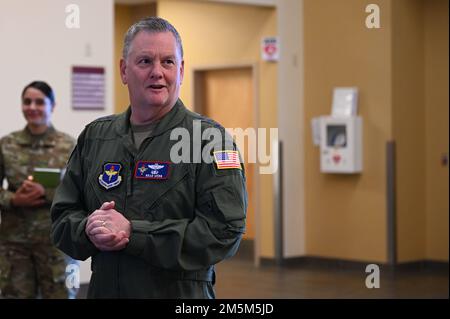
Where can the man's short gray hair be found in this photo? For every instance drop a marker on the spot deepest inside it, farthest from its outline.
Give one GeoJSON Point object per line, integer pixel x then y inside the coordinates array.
{"type": "Point", "coordinates": [152, 25]}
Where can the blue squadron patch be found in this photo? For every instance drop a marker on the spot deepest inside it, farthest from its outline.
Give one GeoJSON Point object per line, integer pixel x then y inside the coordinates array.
{"type": "Point", "coordinates": [151, 170]}
{"type": "Point", "coordinates": [110, 177]}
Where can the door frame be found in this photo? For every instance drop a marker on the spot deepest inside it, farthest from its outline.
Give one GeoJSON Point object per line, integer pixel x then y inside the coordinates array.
{"type": "Point", "coordinates": [196, 72]}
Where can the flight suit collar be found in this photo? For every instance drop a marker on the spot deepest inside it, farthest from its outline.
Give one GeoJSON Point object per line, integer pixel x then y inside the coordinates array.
{"type": "Point", "coordinates": [169, 121]}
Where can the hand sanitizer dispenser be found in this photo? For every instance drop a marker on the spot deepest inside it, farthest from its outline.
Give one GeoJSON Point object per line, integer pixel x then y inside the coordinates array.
{"type": "Point", "coordinates": [341, 134]}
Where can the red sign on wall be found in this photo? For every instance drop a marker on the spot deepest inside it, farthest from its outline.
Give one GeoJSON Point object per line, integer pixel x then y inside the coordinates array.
{"type": "Point", "coordinates": [270, 49]}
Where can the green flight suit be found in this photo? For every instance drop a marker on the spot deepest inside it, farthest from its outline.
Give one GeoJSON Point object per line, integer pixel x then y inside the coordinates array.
{"type": "Point", "coordinates": [183, 221]}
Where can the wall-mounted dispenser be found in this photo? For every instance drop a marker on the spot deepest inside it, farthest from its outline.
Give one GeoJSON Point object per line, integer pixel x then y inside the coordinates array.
{"type": "Point", "coordinates": [340, 134]}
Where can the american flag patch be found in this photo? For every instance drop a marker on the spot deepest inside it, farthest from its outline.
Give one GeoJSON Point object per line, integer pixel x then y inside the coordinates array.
{"type": "Point", "coordinates": [227, 159]}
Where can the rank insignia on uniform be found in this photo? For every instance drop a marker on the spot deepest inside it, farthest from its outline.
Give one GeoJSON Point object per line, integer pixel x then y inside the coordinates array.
{"type": "Point", "coordinates": [227, 159]}
{"type": "Point", "coordinates": [151, 170]}
{"type": "Point", "coordinates": [110, 177]}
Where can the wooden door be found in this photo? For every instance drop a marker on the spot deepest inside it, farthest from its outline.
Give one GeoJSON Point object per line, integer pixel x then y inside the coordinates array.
{"type": "Point", "coordinates": [226, 96]}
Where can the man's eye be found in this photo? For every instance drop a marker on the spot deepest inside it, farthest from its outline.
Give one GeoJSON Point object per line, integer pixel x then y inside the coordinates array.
{"type": "Point", "coordinates": [169, 61]}
{"type": "Point", "coordinates": [144, 61]}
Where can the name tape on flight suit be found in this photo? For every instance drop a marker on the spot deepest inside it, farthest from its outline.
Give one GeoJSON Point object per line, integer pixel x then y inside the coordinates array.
{"type": "Point", "coordinates": [151, 170]}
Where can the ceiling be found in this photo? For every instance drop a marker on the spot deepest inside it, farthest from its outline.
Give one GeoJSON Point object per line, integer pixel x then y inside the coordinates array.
{"type": "Point", "coordinates": [133, 1]}
{"type": "Point", "coordinates": [248, 2]}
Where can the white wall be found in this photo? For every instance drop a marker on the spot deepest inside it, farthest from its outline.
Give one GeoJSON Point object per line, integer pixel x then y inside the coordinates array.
{"type": "Point", "coordinates": [37, 45]}
{"type": "Point", "coordinates": [290, 119]}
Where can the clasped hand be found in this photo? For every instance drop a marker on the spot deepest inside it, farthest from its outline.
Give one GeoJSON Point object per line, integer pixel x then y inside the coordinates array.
{"type": "Point", "coordinates": [29, 194]}
{"type": "Point", "coordinates": [108, 229]}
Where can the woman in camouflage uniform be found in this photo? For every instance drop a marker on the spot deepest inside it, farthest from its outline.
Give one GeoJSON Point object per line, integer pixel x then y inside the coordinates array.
{"type": "Point", "coordinates": [29, 263]}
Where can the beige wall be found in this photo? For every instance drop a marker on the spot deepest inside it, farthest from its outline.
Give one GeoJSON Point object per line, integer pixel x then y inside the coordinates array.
{"type": "Point", "coordinates": [420, 112]}
{"type": "Point", "coordinates": [220, 34]}
{"type": "Point", "coordinates": [401, 70]}
{"type": "Point", "coordinates": [408, 112]}
{"type": "Point", "coordinates": [346, 214]}
{"type": "Point", "coordinates": [124, 17]}
{"type": "Point", "coordinates": [436, 128]}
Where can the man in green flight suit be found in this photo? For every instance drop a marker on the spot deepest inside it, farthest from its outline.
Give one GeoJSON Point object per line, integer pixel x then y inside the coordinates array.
{"type": "Point", "coordinates": [154, 226]}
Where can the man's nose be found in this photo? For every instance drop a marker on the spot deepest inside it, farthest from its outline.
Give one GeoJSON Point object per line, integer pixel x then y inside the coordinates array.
{"type": "Point", "coordinates": [156, 72]}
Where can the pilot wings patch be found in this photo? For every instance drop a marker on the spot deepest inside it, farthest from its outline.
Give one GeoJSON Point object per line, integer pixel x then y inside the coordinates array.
{"type": "Point", "coordinates": [151, 170]}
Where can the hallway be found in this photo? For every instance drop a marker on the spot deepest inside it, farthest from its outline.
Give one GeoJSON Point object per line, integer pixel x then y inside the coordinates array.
{"type": "Point", "coordinates": [238, 278]}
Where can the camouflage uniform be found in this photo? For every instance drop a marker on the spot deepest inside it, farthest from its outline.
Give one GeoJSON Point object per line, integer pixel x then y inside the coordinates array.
{"type": "Point", "coordinates": [29, 262]}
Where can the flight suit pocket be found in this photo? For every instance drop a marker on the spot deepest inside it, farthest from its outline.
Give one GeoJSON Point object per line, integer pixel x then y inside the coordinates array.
{"type": "Point", "coordinates": [229, 203]}
{"type": "Point", "coordinates": [174, 201]}
{"type": "Point", "coordinates": [225, 212]}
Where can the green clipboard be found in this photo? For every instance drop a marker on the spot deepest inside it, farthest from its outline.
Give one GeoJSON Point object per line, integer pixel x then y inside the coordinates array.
{"type": "Point", "coordinates": [47, 177]}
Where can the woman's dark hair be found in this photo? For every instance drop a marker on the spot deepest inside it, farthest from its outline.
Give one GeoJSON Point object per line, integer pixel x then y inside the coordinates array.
{"type": "Point", "coordinates": [43, 87]}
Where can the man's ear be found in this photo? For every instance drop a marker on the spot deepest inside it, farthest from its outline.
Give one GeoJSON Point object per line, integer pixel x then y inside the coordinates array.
{"type": "Point", "coordinates": [181, 71]}
{"type": "Point", "coordinates": [123, 67]}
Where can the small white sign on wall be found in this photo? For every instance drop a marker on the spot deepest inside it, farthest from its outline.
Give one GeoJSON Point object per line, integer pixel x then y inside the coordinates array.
{"type": "Point", "coordinates": [345, 102]}
{"type": "Point", "coordinates": [270, 49]}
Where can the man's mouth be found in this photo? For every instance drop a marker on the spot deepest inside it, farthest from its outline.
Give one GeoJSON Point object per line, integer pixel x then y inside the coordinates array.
{"type": "Point", "coordinates": [156, 86]}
